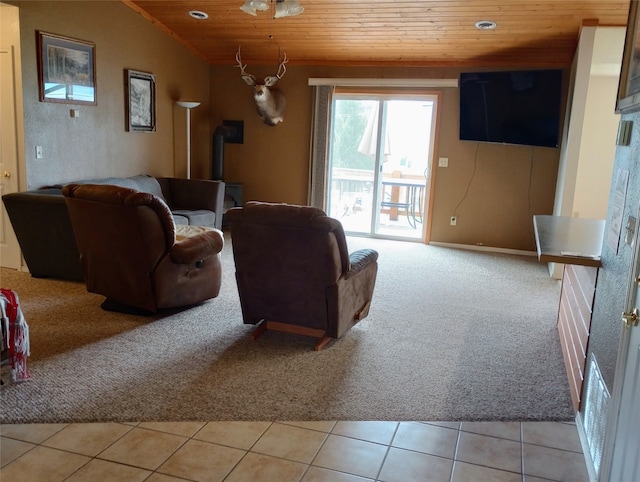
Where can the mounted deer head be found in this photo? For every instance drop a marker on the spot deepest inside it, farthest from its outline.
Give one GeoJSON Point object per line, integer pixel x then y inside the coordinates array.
{"type": "Point", "coordinates": [270, 102]}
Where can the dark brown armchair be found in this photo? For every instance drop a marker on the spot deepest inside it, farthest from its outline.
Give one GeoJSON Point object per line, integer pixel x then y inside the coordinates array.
{"type": "Point", "coordinates": [294, 271]}
{"type": "Point", "coordinates": [132, 252]}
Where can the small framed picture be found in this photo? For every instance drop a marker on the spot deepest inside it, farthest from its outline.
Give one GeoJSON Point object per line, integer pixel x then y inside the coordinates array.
{"type": "Point", "coordinates": [140, 101]}
{"type": "Point", "coordinates": [629, 85]}
{"type": "Point", "coordinates": [66, 69]}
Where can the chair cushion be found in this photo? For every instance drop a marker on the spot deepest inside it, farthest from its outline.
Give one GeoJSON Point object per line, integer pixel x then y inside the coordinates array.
{"type": "Point", "coordinates": [123, 196]}
{"type": "Point", "coordinates": [180, 220]}
{"type": "Point", "coordinates": [195, 243]}
{"type": "Point", "coordinates": [141, 182]}
{"type": "Point", "coordinates": [294, 217]}
{"type": "Point", "coordinates": [286, 215]}
{"type": "Point", "coordinates": [198, 217]}
{"type": "Point", "coordinates": [184, 231]}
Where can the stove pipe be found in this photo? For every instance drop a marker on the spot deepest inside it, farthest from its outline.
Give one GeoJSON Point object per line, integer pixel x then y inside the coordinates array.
{"type": "Point", "coordinates": [217, 162]}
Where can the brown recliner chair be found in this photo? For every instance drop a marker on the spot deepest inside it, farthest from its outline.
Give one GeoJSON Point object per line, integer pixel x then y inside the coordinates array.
{"type": "Point", "coordinates": [294, 271]}
{"type": "Point", "coordinates": [132, 252]}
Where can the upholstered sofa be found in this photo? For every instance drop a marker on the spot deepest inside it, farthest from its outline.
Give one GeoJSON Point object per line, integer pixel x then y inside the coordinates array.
{"type": "Point", "coordinates": [41, 221]}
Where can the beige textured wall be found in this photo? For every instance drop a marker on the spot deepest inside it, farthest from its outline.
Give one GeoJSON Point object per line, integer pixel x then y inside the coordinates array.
{"type": "Point", "coordinates": [501, 199]}
{"type": "Point", "coordinates": [273, 161]}
{"type": "Point", "coordinates": [96, 144]}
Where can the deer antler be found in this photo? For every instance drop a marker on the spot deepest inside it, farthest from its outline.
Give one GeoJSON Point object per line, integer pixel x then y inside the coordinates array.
{"type": "Point", "coordinates": [248, 78]}
{"type": "Point", "coordinates": [282, 67]}
{"type": "Point", "coordinates": [270, 102]}
{"type": "Point", "coordinates": [271, 80]}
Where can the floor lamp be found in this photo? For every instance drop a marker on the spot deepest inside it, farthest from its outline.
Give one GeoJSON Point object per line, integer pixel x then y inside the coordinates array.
{"type": "Point", "coordinates": [188, 106]}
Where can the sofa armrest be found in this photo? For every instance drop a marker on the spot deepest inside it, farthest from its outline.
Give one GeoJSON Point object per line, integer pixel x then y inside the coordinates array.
{"type": "Point", "coordinates": [194, 194]}
{"type": "Point", "coordinates": [195, 246]}
{"type": "Point", "coordinates": [360, 260]}
{"type": "Point", "coordinates": [43, 228]}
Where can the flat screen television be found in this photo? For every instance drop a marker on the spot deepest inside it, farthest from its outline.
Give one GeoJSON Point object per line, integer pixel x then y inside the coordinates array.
{"type": "Point", "coordinates": [511, 107]}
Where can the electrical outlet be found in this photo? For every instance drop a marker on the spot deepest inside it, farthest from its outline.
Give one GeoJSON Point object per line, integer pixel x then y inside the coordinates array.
{"type": "Point", "coordinates": [454, 220]}
{"type": "Point", "coordinates": [443, 162]}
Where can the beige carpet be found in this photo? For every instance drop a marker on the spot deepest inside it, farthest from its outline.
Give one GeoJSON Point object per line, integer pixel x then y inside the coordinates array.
{"type": "Point", "coordinates": [451, 335]}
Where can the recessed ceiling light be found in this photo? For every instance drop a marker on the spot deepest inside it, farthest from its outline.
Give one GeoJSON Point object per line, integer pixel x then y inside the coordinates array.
{"type": "Point", "coordinates": [485, 25]}
{"type": "Point", "coordinates": [198, 14]}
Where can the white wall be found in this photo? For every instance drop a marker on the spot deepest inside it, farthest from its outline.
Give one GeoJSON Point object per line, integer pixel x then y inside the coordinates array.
{"type": "Point", "coordinates": [586, 161]}
{"type": "Point", "coordinates": [591, 126]}
{"type": "Point", "coordinates": [600, 127]}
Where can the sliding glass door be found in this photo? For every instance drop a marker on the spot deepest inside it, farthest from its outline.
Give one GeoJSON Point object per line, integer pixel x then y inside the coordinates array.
{"type": "Point", "coordinates": [379, 163]}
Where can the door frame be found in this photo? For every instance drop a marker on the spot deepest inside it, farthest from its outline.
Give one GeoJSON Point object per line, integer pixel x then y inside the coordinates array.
{"type": "Point", "coordinates": [10, 45]}
{"type": "Point", "coordinates": [615, 414]}
{"type": "Point", "coordinates": [10, 40]}
{"type": "Point", "coordinates": [389, 93]}
{"type": "Point", "coordinates": [322, 92]}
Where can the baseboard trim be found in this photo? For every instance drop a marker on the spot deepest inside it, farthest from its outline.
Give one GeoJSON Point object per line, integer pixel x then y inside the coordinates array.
{"type": "Point", "coordinates": [491, 249]}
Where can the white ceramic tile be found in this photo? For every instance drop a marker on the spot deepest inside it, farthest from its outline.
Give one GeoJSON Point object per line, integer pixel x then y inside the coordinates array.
{"type": "Point", "coordinates": [552, 434]}
{"type": "Point", "coordinates": [202, 461]}
{"type": "Point", "coordinates": [87, 438]}
{"type": "Point", "coordinates": [490, 452]}
{"type": "Point", "coordinates": [102, 470]}
{"type": "Point", "coordinates": [186, 429]}
{"type": "Point", "coordinates": [344, 451]}
{"type": "Point", "coordinates": [143, 448]}
{"type": "Point", "coordinates": [35, 433]}
{"type": "Point", "coordinates": [508, 430]}
{"type": "Point", "coordinates": [554, 464]}
{"type": "Point", "coordinates": [156, 477]}
{"type": "Point", "coordinates": [453, 425]}
{"type": "Point", "coordinates": [240, 435]}
{"type": "Point", "coordinates": [289, 442]}
{"type": "Point", "coordinates": [406, 465]}
{"type": "Point", "coordinates": [377, 432]}
{"type": "Point", "coordinates": [43, 464]}
{"type": "Point", "coordinates": [463, 472]}
{"type": "Point", "coordinates": [11, 449]}
{"type": "Point", "coordinates": [320, 426]}
{"type": "Point", "coordinates": [257, 467]}
{"type": "Point", "coordinates": [351, 456]}
{"type": "Point", "coordinates": [426, 438]}
{"type": "Point", "coordinates": [319, 474]}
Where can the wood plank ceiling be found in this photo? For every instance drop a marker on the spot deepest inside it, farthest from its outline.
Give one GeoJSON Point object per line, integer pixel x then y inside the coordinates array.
{"type": "Point", "coordinates": [529, 33]}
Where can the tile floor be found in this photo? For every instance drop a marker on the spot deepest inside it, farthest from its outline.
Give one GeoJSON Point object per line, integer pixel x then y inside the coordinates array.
{"type": "Point", "coordinates": [292, 451]}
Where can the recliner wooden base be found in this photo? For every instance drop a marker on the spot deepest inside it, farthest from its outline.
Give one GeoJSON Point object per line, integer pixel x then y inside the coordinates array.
{"type": "Point", "coordinates": [295, 329]}
{"type": "Point", "coordinates": [111, 305]}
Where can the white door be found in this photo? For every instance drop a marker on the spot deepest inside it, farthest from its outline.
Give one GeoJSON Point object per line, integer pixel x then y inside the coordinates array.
{"type": "Point", "coordinates": [9, 248]}
{"type": "Point", "coordinates": [625, 464]}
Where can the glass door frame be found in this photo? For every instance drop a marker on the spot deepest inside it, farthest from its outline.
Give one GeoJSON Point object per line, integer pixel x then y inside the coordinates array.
{"type": "Point", "coordinates": [382, 98]}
